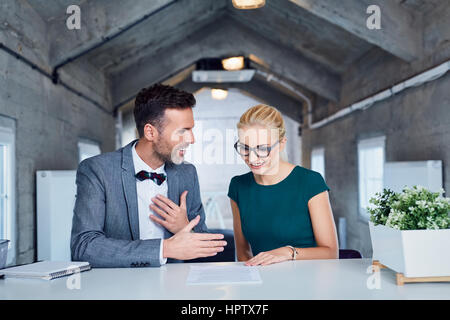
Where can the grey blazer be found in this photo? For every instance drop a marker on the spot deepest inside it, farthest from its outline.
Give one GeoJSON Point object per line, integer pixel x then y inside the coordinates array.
{"type": "Point", "coordinates": [105, 227]}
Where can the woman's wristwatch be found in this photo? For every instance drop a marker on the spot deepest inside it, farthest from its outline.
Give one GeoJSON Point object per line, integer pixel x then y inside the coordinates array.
{"type": "Point", "coordinates": [294, 252]}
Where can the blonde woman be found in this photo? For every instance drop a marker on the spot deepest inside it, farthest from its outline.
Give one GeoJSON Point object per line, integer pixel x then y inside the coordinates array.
{"type": "Point", "coordinates": [280, 211]}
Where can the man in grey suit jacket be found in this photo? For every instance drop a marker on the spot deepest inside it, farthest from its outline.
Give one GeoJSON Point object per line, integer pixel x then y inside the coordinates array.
{"type": "Point", "coordinates": [128, 217]}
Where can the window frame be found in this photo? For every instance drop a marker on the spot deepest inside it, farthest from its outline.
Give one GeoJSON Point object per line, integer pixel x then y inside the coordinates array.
{"type": "Point", "coordinates": [320, 150]}
{"type": "Point", "coordinates": [82, 142]}
{"type": "Point", "coordinates": [364, 144]}
{"type": "Point", "coordinates": [7, 139]}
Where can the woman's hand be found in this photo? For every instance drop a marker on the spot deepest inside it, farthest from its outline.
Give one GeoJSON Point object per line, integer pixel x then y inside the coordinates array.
{"type": "Point", "coordinates": [269, 257]}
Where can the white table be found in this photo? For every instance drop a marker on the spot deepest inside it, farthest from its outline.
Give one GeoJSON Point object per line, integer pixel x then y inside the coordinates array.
{"type": "Point", "coordinates": [313, 279]}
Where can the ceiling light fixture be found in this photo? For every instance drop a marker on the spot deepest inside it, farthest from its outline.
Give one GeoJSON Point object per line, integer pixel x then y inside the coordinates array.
{"type": "Point", "coordinates": [233, 63]}
{"type": "Point", "coordinates": [248, 4]}
{"type": "Point", "coordinates": [219, 94]}
{"type": "Point", "coordinates": [212, 70]}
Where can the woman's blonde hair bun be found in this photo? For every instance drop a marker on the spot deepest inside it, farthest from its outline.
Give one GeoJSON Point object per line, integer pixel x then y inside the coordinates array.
{"type": "Point", "coordinates": [263, 115]}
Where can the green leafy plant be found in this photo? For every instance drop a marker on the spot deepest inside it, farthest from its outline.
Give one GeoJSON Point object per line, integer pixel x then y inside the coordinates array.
{"type": "Point", "coordinates": [413, 209]}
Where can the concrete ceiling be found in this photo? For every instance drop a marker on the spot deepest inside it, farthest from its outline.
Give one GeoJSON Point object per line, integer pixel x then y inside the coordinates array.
{"type": "Point", "coordinates": [53, 10]}
{"type": "Point", "coordinates": [297, 29]}
{"type": "Point", "coordinates": [164, 29]}
{"type": "Point", "coordinates": [310, 43]}
{"type": "Point", "coordinates": [420, 5]}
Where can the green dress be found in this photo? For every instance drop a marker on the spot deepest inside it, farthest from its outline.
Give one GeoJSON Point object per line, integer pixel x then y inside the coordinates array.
{"type": "Point", "coordinates": [277, 215]}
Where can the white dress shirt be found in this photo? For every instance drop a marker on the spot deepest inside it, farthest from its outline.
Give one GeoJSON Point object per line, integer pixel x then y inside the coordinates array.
{"type": "Point", "coordinates": [146, 190]}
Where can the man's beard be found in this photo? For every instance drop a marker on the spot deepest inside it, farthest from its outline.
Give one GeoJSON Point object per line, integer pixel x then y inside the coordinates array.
{"type": "Point", "coordinates": [167, 154]}
{"type": "Point", "coordinates": [163, 153]}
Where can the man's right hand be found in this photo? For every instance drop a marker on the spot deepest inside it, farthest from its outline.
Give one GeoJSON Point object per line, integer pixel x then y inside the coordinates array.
{"type": "Point", "coordinates": [186, 245]}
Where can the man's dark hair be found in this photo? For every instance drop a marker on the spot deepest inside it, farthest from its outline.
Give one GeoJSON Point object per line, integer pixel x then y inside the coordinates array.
{"type": "Point", "coordinates": [151, 103]}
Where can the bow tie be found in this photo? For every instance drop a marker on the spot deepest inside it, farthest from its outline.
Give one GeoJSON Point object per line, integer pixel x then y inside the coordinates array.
{"type": "Point", "coordinates": [157, 178]}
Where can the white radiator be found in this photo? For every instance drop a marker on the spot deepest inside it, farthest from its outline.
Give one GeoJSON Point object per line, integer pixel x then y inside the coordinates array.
{"type": "Point", "coordinates": [55, 200]}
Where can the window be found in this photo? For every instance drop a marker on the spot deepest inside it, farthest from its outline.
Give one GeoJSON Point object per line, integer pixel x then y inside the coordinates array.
{"type": "Point", "coordinates": [370, 167]}
{"type": "Point", "coordinates": [87, 149]}
{"type": "Point", "coordinates": [7, 189]}
{"type": "Point", "coordinates": [318, 160]}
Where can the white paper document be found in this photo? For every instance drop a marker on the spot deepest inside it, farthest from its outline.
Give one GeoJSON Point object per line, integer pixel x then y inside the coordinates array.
{"type": "Point", "coordinates": [223, 275]}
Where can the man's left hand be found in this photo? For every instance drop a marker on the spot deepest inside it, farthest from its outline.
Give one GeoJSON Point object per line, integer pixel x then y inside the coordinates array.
{"type": "Point", "coordinates": [174, 217]}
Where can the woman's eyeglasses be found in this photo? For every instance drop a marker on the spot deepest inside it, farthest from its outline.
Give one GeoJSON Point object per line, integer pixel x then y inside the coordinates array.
{"type": "Point", "coordinates": [262, 151]}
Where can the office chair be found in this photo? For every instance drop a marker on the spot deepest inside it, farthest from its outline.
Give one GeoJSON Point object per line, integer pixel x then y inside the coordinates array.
{"type": "Point", "coordinates": [349, 254]}
{"type": "Point", "coordinates": [227, 255]}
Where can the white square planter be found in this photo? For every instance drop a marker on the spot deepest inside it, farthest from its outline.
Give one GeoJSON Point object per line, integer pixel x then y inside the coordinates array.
{"type": "Point", "coordinates": [415, 253]}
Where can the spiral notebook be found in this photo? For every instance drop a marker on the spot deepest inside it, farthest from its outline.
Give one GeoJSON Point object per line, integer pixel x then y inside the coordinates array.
{"type": "Point", "coordinates": [46, 270]}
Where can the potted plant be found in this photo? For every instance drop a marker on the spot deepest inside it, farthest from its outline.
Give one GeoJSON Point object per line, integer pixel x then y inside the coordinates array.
{"type": "Point", "coordinates": [410, 232]}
